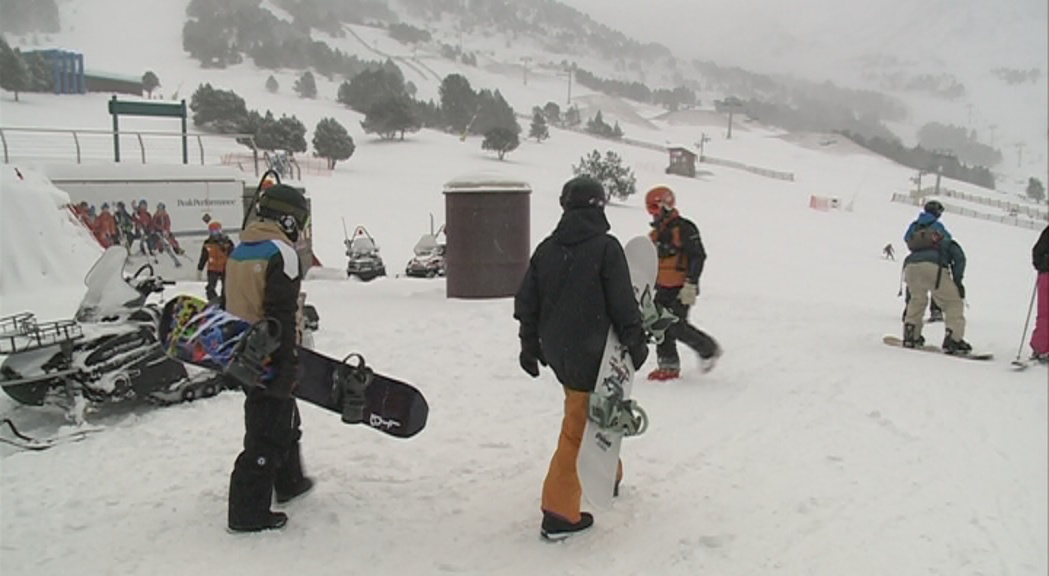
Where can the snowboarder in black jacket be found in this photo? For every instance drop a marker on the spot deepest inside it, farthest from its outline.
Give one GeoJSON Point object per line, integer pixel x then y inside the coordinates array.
{"type": "Point", "coordinates": [577, 286]}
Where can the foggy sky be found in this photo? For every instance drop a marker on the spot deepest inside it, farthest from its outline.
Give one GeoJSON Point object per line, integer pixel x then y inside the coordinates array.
{"type": "Point", "coordinates": [820, 37]}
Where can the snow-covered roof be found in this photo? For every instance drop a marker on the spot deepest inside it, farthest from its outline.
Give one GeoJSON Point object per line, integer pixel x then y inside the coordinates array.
{"type": "Point", "coordinates": [485, 182]}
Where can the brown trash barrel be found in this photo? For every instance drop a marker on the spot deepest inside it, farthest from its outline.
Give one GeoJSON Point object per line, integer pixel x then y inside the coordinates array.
{"type": "Point", "coordinates": [487, 226]}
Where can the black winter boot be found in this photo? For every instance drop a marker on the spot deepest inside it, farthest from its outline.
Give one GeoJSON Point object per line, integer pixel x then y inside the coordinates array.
{"type": "Point", "coordinates": [272, 521]}
{"type": "Point", "coordinates": [294, 492]}
{"type": "Point", "coordinates": [557, 528]}
{"type": "Point", "coordinates": [955, 347]}
{"type": "Point", "coordinates": [910, 337]}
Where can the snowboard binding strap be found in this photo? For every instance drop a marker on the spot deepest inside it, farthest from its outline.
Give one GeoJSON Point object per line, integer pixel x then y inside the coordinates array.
{"type": "Point", "coordinates": [618, 415]}
{"type": "Point", "coordinates": [349, 381]}
{"type": "Point", "coordinates": [253, 351]}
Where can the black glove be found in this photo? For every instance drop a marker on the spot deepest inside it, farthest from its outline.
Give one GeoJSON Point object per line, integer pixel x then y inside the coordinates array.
{"type": "Point", "coordinates": [638, 355]}
{"type": "Point", "coordinates": [961, 289]}
{"type": "Point", "coordinates": [531, 357]}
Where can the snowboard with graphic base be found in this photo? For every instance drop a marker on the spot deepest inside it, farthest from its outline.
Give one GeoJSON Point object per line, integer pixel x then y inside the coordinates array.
{"type": "Point", "coordinates": [197, 333]}
{"type": "Point", "coordinates": [896, 341]}
{"type": "Point", "coordinates": [612, 414]}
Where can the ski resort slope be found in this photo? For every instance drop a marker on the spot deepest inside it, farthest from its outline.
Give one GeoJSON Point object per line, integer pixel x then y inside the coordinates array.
{"type": "Point", "coordinates": [810, 449]}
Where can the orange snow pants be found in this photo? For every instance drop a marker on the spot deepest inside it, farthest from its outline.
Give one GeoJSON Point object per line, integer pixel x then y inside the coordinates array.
{"type": "Point", "coordinates": [562, 493]}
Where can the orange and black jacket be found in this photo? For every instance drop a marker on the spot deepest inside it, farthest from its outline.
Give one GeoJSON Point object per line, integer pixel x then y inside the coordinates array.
{"type": "Point", "coordinates": [263, 281]}
{"type": "Point", "coordinates": [214, 253]}
{"type": "Point", "coordinates": [680, 250]}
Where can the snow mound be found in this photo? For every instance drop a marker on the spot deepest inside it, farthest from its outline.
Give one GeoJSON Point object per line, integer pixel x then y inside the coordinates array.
{"type": "Point", "coordinates": [44, 251]}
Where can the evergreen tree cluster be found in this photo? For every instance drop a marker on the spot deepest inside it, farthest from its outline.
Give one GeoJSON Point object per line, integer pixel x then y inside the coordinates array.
{"type": "Point", "coordinates": [408, 34]}
{"type": "Point", "coordinates": [961, 142]}
{"type": "Point", "coordinates": [919, 158]}
{"type": "Point", "coordinates": [220, 33]}
{"type": "Point", "coordinates": [598, 127]}
{"type": "Point", "coordinates": [1035, 190]}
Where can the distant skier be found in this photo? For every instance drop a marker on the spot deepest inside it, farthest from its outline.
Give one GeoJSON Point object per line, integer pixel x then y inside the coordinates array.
{"type": "Point", "coordinates": [681, 258]}
{"type": "Point", "coordinates": [936, 264]}
{"type": "Point", "coordinates": [577, 286]}
{"type": "Point", "coordinates": [263, 279]}
{"type": "Point", "coordinates": [144, 228]}
{"type": "Point", "coordinates": [125, 225]}
{"type": "Point", "coordinates": [213, 254]}
{"type": "Point", "coordinates": [1040, 336]}
{"type": "Point", "coordinates": [888, 252]}
{"type": "Point", "coordinates": [105, 227]}
{"type": "Point", "coordinates": [162, 228]}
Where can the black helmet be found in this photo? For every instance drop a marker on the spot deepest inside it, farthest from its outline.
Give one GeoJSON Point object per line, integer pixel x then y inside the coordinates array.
{"type": "Point", "coordinates": [582, 192]}
{"type": "Point", "coordinates": [934, 207]}
{"type": "Point", "coordinates": [287, 207]}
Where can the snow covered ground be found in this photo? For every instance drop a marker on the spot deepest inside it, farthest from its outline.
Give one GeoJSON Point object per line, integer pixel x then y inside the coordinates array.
{"type": "Point", "coordinates": [811, 449]}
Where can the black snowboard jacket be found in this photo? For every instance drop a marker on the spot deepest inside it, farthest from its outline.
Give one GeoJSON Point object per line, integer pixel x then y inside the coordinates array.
{"type": "Point", "coordinates": [576, 287]}
{"type": "Point", "coordinates": [1040, 252]}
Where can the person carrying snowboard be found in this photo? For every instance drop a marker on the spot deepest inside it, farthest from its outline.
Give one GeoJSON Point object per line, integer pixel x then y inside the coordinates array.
{"type": "Point", "coordinates": [213, 254]}
{"type": "Point", "coordinates": [1040, 336]}
{"type": "Point", "coordinates": [263, 278]}
{"type": "Point", "coordinates": [936, 264]}
{"type": "Point", "coordinates": [681, 258]}
{"type": "Point", "coordinates": [577, 286]}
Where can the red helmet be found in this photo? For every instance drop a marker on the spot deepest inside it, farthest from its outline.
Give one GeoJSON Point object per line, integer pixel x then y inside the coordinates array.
{"type": "Point", "coordinates": [659, 199]}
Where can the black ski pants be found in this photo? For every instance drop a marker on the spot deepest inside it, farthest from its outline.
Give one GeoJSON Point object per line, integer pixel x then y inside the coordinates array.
{"type": "Point", "coordinates": [270, 459]}
{"type": "Point", "coordinates": [689, 335]}
{"type": "Point", "coordinates": [213, 279]}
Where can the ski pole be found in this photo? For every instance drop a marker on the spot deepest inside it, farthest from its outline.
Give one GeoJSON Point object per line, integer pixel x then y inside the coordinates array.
{"type": "Point", "coordinates": [1027, 322]}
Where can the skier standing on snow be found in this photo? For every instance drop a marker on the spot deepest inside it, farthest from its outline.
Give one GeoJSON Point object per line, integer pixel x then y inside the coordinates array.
{"type": "Point", "coordinates": [576, 287]}
{"type": "Point", "coordinates": [1040, 336]}
{"type": "Point", "coordinates": [213, 254]}
{"type": "Point", "coordinates": [888, 253]}
{"type": "Point", "coordinates": [162, 228]}
{"type": "Point", "coordinates": [105, 227]}
{"type": "Point", "coordinates": [681, 258]}
{"type": "Point", "coordinates": [263, 279]}
{"type": "Point", "coordinates": [144, 228]}
{"type": "Point", "coordinates": [125, 225]}
{"type": "Point", "coordinates": [936, 264]}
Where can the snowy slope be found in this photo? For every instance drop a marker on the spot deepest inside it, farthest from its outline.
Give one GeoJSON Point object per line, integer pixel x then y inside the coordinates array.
{"type": "Point", "coordinates": [810, 449]}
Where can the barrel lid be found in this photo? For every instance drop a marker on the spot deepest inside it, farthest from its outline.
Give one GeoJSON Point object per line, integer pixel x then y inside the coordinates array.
{"type": "Point", "coordinates": [487, 182]}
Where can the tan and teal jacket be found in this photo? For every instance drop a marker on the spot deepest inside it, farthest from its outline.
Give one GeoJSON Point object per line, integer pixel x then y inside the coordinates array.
{"type": "Point", "coordinates": [262, 281]}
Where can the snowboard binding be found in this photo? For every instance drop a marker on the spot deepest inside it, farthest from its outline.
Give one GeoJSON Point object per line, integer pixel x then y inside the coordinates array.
{"type": "Point", "coordinates": [253, 351]}
{"type": "Point", "coordinates": [614, 413]}
{"type": "Point", "coordinates": [349, 381]}
{"type": "Point", "coordinates": [655, 320]}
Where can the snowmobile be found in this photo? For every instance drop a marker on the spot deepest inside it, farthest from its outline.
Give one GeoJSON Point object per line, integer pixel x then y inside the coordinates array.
{"type": "Point", "coordinates": [428, 261]}
{"type": "Point", "coordinates": [108, 352]}
{"type": "Point", "coordinates": [364, 260]}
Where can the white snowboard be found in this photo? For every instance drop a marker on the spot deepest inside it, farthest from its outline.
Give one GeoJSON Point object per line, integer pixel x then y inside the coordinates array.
{"type": "Point", "coordinates": [598, 460]}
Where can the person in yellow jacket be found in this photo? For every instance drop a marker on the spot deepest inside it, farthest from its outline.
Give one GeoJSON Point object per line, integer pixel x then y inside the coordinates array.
{"type": "Point", "coordinates": [681, 258]}
{"type": "Point", "coordinates": [213, 255]}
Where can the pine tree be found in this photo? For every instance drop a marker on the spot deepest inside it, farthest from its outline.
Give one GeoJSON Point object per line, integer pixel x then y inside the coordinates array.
{"type": "Point", "coordinates": [306, 85]}
{"type": "Point", "coordinates": [538, 130]}
{"type": "Point", "coordinates": [332, 141]}
{"type": "Point", "coordinates": [14, 74]}
{"type": "Point", "coordinates": [618, 180]}
{"type": "Point", "coordinates": [271, 85]}
{"type": "Point", "coordinates": [150, 82]}
{"type": "Point", "coordinates": [1035, 189]}
{"type": "Point", "coordinates": [501, 141]}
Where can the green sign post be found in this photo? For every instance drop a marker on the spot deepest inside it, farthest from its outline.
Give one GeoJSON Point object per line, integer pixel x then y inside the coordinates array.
{"type": "Point", "coordinates": [156, 109]}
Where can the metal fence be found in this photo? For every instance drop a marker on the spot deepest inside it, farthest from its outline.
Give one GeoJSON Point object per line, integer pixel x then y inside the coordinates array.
{"type": "Point", "coordinates": [145, 147]}
{"type": "Point", "coordinates": [969, 213]}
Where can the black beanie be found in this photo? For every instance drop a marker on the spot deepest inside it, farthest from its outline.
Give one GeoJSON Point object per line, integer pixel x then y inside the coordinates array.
{"type": "Point", "coordinates": [582, 192]}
